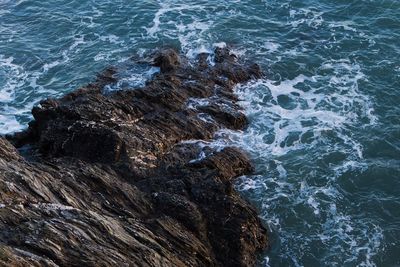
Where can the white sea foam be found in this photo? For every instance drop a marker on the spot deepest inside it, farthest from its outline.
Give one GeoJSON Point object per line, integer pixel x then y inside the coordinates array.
{"type": "Point", "coordinates": [9, 124]}
{"type": "Point", "coordinates": [194, 103]}
{"type": "Point", "coordinates": [111, 38]}
{"type": "Point", "coordinates": [312, 112]}
{"type": "Point", "coordinates": [167, 7]}
{"type": "Point", "coordinates": [182, 23]}
{"type": "Point", "coordinates": [13, 76]}
{"type": "Point", "coordinates": [21, 82]}
{"type": "Point", "coordinates": [271, 46]}
{"type": "Point", "coordinates": [133, 78]}
{"type": "Point", "coordinates": [346, 25]}
{"type": "Point", "coordinates": [307, 116]}
{"type": "Point", "coordinates": [310, 17]}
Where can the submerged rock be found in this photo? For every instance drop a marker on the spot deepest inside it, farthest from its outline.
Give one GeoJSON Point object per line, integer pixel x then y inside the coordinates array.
{"type": "Point", "coordinates": [115, 180]}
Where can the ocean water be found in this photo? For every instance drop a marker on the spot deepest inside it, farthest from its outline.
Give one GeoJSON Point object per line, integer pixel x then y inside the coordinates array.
{"type": "Point", "coordinates": [324, 129]}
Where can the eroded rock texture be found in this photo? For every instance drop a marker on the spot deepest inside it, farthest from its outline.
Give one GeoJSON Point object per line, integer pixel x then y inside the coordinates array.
{"type": "Point", "coordinates": [114, 180]}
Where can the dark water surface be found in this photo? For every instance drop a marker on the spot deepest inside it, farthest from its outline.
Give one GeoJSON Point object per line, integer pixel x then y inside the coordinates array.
{"type": "Point", "coordinates": [324, 125]}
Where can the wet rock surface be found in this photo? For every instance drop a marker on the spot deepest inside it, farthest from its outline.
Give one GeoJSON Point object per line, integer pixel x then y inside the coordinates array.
{"type": "Point", "coordinates": [119, 179]}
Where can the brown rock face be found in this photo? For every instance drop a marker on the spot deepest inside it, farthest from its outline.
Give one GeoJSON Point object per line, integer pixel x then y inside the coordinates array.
{"type": "Point", "coordinates": [111, 179]}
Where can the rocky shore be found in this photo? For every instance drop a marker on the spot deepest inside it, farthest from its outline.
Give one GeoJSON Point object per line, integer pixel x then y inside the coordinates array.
{"type": "Point", "coordinates": [124, 179]}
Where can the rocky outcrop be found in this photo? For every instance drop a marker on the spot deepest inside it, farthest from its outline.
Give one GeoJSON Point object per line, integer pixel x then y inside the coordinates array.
{"type": "Point", "coordinates": [125, 179]}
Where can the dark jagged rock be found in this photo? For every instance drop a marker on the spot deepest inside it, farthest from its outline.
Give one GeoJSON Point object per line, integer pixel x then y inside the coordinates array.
{"type": "Point", "coordinates": [168, 60]}
{"type": "Point", "coordinates": [114, 180]}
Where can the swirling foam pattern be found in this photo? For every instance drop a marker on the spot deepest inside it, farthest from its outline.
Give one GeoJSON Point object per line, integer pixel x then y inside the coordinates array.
{"type": "Point", "coordinates": [324, 124]}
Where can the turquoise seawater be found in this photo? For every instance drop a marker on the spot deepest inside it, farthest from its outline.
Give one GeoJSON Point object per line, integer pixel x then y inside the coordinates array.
{"type": "Point", "coordinates": [324, 127]}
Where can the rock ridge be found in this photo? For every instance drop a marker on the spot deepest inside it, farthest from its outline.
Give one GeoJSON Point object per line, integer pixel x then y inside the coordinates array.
{"type": "Point", "coordinates": [127, 178]}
